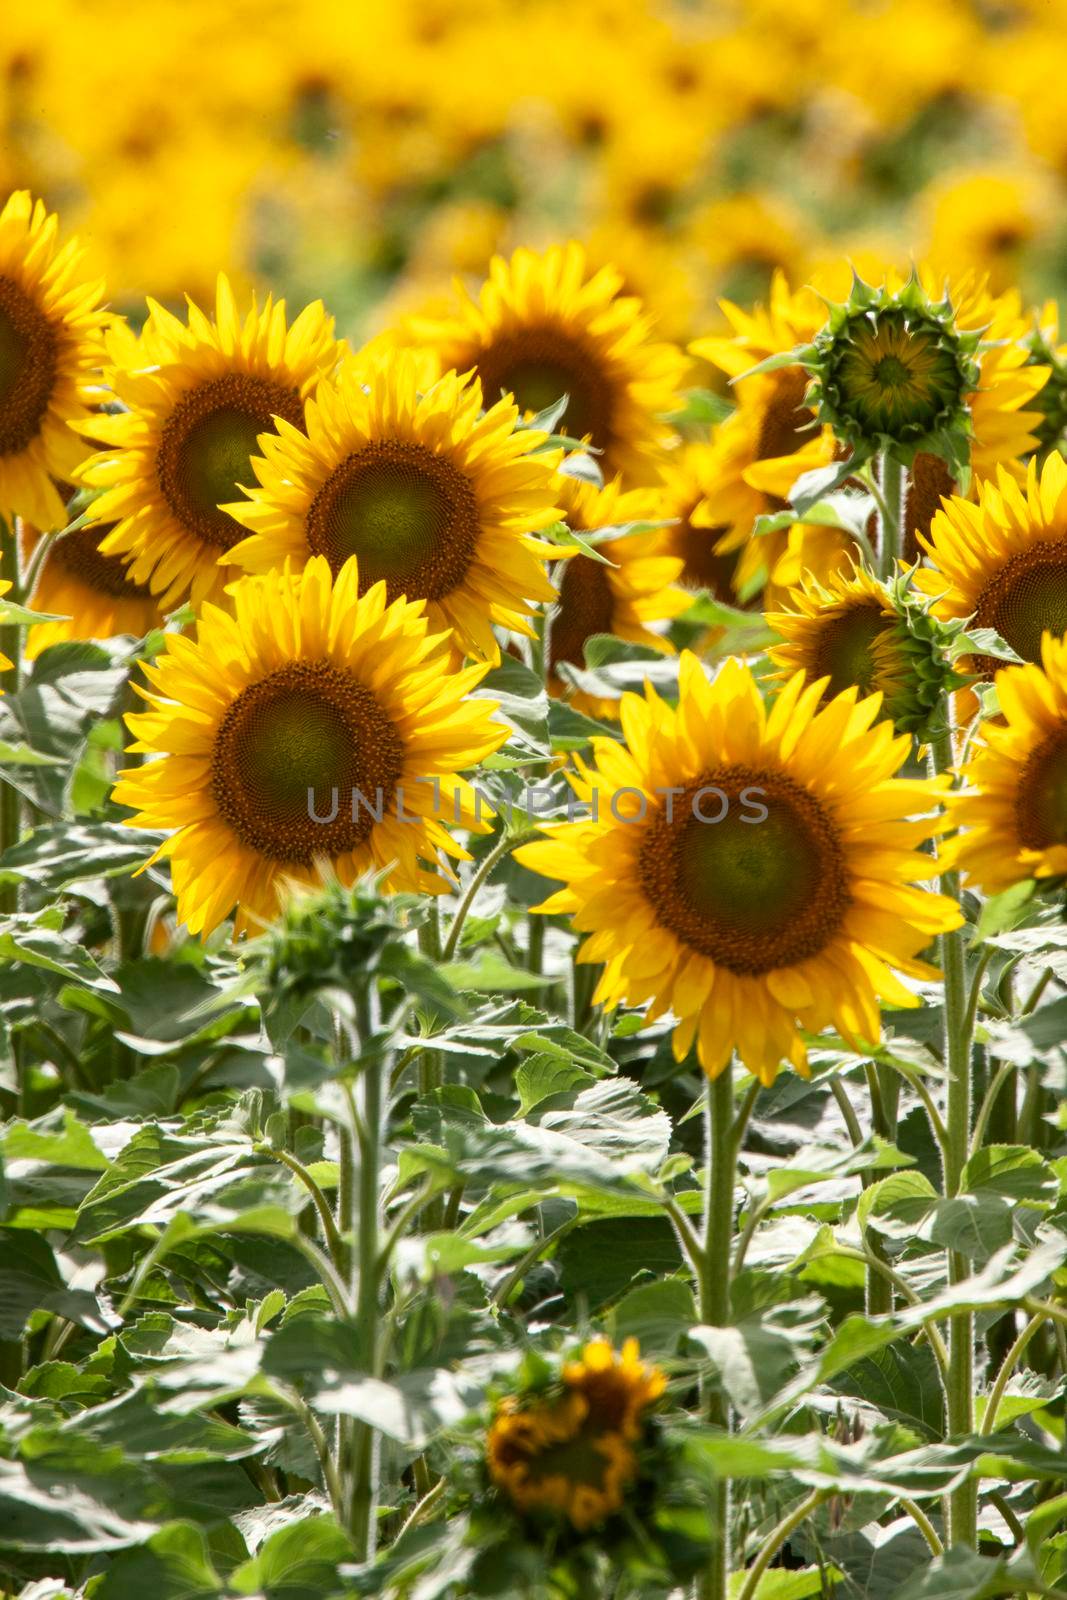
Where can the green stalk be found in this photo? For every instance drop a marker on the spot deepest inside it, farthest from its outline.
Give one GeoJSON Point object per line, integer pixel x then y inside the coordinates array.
{"type": "Point", "coordinates": [720, 1151]}
{"type": "Point", "coordinates": [366, 1124]}
{"type": "Point", "coordinates": [10, 646]}
{"type": "Point", "coordinates": [891, 505]}
{"type": "Point", "coordinates": [963, 1500]}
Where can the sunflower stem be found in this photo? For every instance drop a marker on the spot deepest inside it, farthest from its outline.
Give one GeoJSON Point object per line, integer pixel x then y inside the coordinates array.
{"type": "Point", "coordinates": [958, 1027]}
{"type": "Point", "coordinates": [720, 1154]}
{"type": "Point", "coordinates": [366, 1127]}
{"type": "Point", "coordinates": [11, 647]}
{"type": "Point", "coordinates": [890, 515]}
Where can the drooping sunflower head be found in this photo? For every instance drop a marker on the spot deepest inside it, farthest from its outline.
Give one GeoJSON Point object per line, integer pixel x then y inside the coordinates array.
{"type": "Point", "coordinates": [1013, 813]}
{"type": "Point", "coordinates": [436, 499]}
{"type": "Point", "coordinates": [1002, 562]}
{"type": "Point", "coordinates": [315, 726]}
{"type": "Point", "coordinates": [50, 349]}
{"type": "Point", "coordinates": [849, 633]}
{"type": "Point", "coordinates": [199, 396]}
{"type": "Point", "coordinates": [893, 370]}
{"type": "Point", "coordinates": [545, 326]}
{"type": "Point", "coordinates": [758, 880]}
{"type": "Point", "coordinates": [568, 1448]}
{"type": "Point", "coordinates": [634, 586]}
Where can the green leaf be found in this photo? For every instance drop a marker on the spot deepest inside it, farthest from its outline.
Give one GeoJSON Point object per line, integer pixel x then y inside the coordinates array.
{"type": "Point", "coordinates": [959, 1574]}
{"type": "Point", "coordinates": [298, 1562]}
{"type": "Point", "coordinates": [174, 1564]}
{"type": "Point", "coordinates": [657, 1315]}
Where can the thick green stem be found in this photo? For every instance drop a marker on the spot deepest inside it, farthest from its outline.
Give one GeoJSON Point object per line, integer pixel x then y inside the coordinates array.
{"type": "Point", "coordinates": [963, 1501]}
{"type": "Point", "coordinates": [891, 516]}
{"type": "Point", "coordinates": [366, 1123]}
{"type": "Point", "coordinates": [11, 647]}
{"type": "Point", "coordinates": [720, 1150]}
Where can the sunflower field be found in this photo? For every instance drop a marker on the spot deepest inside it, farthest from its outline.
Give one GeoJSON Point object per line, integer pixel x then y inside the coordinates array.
{"type": "Point", "coordinates": [533, 800]}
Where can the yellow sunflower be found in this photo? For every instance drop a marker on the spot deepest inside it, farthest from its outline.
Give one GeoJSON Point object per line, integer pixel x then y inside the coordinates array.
{"type": "Point", "coordinates": [199, 398]}
{"type": "Point", "coordinates": [688, 480]}
{"type": "Point", "coordinates": [1014, 812]}
{"type": "Point", "coordinates": [1003, 560]}
{"type": "Point", "coordinates": [571, 1451]}
{"type": "Point", "coordinates": [544, 326]}
{"type": "Point", "coordinates": [433, 497]}
{"type": "Point", "coordinates": [91, 594]}
{"type": "Point", "coordinates": [847, 634]}
{"type": "Point", "coordinates": [314, 727]}
{"type": "Point", "coordinates": [637, 589]}
{"type": "Point", "coordinates": [752, 872]}
{"type": "Point", "coordinates": [50, 347]}
{"type": "Point", "coordinates": [768, 442]}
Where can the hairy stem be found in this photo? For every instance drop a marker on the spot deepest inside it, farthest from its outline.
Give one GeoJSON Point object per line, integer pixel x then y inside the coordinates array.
{"type": "Point", "coordinates": [891, 516]}
{"type": "Point", "coordinates": [963, 1500]}
{"type": "Point", "coordinates": [366, 1123]}
{"type": "Point", "coordinates": [720, 1153]}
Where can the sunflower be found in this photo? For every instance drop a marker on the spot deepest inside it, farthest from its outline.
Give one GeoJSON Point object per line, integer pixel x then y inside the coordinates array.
{"type": "Point", "coordinates": [91, 594]}
{"type": "Point", "coordinates": [544, 326]}
{"type": "Point", "coordinates": [199, 397]}
{"type": "Point", "coordinates": [847, 633]}
{"type": "Point", "coordinates": [623, 598]}
{"type": "Point", "coordinates": [314, 726]}
{"type": "Point", "coordinates": [768, 442]}
{"type": "Point", "coordinates": [1014, 814]}
{"type": "Point", "coordinates": [1003, 561]}
{"type": "Point", "coordinates": [758, 880]}
{"type": "Point", "coordinates": [50, 346]}
{"type": "Point", "coordinates": [434, 498]}
{"type": "Point", "coordinates": [688, 480]}
{"type": "Point", "coordinates": [571, 1451]}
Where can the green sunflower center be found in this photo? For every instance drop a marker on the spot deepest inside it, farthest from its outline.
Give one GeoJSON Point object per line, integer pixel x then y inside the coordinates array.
{"type": "Point", "coordinates": [206, 448]}
{"type": "Point", "coordinates": [29, 356]}
{"type": "Point", "coordinates": [409, 516]}
{"type": "Point", "coordinates": [78, 554]}
{"type": "Point", "coordinates": [751, 893]}
{"type": "Point", "coordinates": [1027, 598]}
{"type": "Point", "coordinates": [1041, 798]}
{"type": "Point", "coordinates": [303, 760]}
{"type": "Point", "coordinates": [539, 365]}
{"type": "Point", "coordinates": [895, 374]}
{"type": "Point", "coordinates": [846, 652]}
{"type": "Point", "coordinates": [586, 606]}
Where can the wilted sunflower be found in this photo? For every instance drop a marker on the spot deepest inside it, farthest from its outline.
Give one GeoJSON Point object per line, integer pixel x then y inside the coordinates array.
{"type": "Point", "coordinates": [1014, 814]}
{"type": "Point", "coordinates": [544, 326]}
{"type": "Point", "coordinates": [571, 1450]}
{"type": "Point", "coordinates": [435, 499]}
{"type": "Point", "coordinates": [306, 728]}
{"type": "Point", "coordinates": [751, 927]}
{"type": "Point", "coordinates": [199, 398]}
{"type": "Point", "coordinates": [1003, 561]}
{"type": "Point", "coordinates": [848, 633]}
{"type": "Point", "coordinates": [623, 598]}
{"type": "Point", "coordinates": [50, 347]}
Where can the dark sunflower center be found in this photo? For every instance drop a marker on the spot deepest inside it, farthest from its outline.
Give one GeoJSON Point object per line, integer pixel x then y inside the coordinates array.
{"type": "Point", "coordinates": [409, 516]}
{"type": "Point", "coordinates": [1041, 798]}
{"type": "Point", "coordinates": [704, 568]}
{"type": "Point", "coordinates": [586, 606]}
{"type": "Point", "coordinates": [844, 649]}
{"type": "Point", "coordinates": [309, 726]}
{"type": "Point", "coordinates": [928, 483]}
{"type": "Point", "coordinates": [751, 895]}
{"type": "Point", "coordinates": [207, 445]}
{"type": "Point", "coordinates": [577, 1460]}
{"type": "Point", "coordinates": [1027, 598]}
{"type": "Point", "coordinates": [29, 353]}
{"type": "Point", "coordinates": [787, 422]}
{"type": "Point", "coordinates": [541, 365]}
{"type": "Point", "coordinates": [79, 555]}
